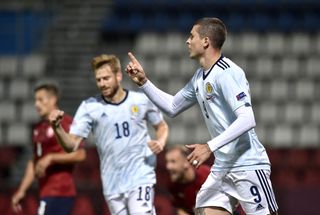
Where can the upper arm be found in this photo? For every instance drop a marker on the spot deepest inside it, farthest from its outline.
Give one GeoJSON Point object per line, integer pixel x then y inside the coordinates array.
{"type": "Point", "coordinates": [161, 124]}
{"type": "Point", "coordinates": [247, 113]}
{"type": "Point", "coordinates": [77, 140]}
{"type": "Point", "coordinates": [188, 91]}
{"type": "Point", "coordinates": [235, 90]}
{"type": "Point", "coordinates": [185, 98]}
{"type": "Point", "coordinates": [153, 114]}
{"type": "Point", "coordinates": [82, 124]}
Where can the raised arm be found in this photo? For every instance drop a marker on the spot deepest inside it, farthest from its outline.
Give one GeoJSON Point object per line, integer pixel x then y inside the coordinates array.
{"type": "Point", "coordinates": [68, 142]}
{"type": "Point", "coordinates": [170, 105]}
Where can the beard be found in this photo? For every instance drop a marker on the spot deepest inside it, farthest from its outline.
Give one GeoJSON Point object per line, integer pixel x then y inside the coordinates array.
{"type": "Point", "coordinates": [110, 91]}
{"type": "Point", "coordinates": [176, 177]}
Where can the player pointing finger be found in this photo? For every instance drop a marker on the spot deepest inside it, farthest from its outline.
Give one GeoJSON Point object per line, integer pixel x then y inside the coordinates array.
{"type": "Point", "coordinates": [222, 91]}
{"type": "Point", "coordinates": [135, 70]}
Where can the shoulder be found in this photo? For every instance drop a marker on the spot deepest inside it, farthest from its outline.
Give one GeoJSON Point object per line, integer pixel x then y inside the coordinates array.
{"type": "Point", "coordinates": [197, 74]}
{"type": "Point", "coordinates": [67, 119]}
{"type": "Point", "coordinates": [92, 103]}
{"type": "Point", "coordinates": [138, 93]}
{"type": "Point", "coordinates": [137, 96]}
{"type": "Point", "coordinates": [38, 125]}
{"type": "Point", "coordinates": [227, 68]}
{"type": "Point", "coordinates": [93, 99]}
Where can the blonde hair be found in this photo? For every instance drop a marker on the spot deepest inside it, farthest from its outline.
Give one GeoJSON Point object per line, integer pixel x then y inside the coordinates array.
{"type": "Point", "coordinates": [101, 60]}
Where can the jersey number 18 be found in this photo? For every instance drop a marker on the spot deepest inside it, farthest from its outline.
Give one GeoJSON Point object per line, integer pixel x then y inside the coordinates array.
{"type": "Point", "coordinates": [122, 129]}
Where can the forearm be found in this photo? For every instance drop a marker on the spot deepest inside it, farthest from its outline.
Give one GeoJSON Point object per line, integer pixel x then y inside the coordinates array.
{"type": "Point", "coordinates": [162, 132]}
{"type": "Point", "coordinates": [68, 158]}
{"type": "Point", "coordinates": [66, 140]}
{"type": "Point", "coordinates": [170, 105]}
{"type": "Point", "coordinates": [181, 212]}
{"type": "Point", "coordinates": [244, 122]}
{"type": "Point", "coordinates": [28, 177]}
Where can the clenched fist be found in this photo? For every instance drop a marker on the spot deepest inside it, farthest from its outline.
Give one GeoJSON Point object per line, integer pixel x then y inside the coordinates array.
{"type": "Point", "coordinates": [55, 117]}
{"type": "Point", "coordinates": [156, 146]}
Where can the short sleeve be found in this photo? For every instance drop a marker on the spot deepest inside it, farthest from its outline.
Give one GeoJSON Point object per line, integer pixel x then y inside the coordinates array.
{"type": "Point", "coordinates": [154, 115]}
{"type": "Point", "coordinates": [82, 122]}
{"type": "Point", "coordinates": [235, 90]}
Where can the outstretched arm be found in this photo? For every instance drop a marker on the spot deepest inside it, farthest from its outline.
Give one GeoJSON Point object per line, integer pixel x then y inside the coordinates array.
{"type": "Point", "coordinates": [170, 105]}
{"type": "Point", "coordinates": [68, 142]}
{"type": "Point", "coordinates": [162, 132]}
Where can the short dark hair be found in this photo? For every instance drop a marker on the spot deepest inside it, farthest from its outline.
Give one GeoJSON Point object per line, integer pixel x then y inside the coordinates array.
{"type": "Point", "coordinates": [50, 87]}
{"type": "Point", "coordinates": [214, 29]}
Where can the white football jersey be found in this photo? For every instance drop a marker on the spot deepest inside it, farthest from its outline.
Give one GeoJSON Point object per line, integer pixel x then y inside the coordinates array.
{"type": "Point", "coordinates": [220, 91]}
{"type": "Point", "coordinates": [120, 134]}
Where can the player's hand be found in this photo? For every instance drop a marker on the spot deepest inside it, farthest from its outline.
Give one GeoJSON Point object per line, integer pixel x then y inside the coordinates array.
{"type": "Point", "coordinates": [200, 153]}
{"type": "Point", "coordinates": [55, 118]}
{"type": "Point", "coordinates": [16, 201]}
{"type": "Point", "coordinates": [156, 146]}
{"type": "Point", "coordinates": [135, 70]}
{"type": "Point", "coordinates": [42, 166]}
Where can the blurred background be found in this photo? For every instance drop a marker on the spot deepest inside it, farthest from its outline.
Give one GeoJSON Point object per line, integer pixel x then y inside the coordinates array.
{"type": "Point", "coordinates": [276, 42]}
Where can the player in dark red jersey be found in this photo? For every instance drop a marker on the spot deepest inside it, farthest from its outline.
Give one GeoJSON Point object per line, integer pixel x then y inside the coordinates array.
{"type": "Point", "coordinates": [185, 179]}
{"type": "Point", "coordinates": [50, 164]}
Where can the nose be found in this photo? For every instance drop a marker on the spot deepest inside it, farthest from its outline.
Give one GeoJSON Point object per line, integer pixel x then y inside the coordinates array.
{"type": "Point", "coordinates": [100, 83]}
{"type": "Point", "coordinates": [168, 166]}
{"type": "Point", "coordinates": [188, 41]}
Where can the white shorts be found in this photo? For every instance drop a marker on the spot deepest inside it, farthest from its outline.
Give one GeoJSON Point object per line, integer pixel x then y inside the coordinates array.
{"type": "Point", "coordinates": [138, 201]}
{"type": "Point", "coordinates": [252, 189]}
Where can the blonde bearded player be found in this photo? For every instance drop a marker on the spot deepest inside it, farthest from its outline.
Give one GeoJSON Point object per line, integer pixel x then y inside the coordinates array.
{"type": "Point", "coordinates": [241, 171]}
{"type": "Point", "coordinates": [118, 120]}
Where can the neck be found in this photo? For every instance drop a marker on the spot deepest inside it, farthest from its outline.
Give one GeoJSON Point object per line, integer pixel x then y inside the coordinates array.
{"type": "Point", "coordinates": [46, 116]}
{"type": "Point", "coordinates": [189, 175]}
{"type": "Point", "coordinates": [209, 58]}
{"type": "Point", "coordinates": [117, 97]}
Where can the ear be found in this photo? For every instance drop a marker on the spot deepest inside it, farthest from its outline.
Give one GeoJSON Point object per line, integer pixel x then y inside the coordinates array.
{"type": "Point", "coordinates": [206, 42]}
{"type": "Point", "coordinates": [186, 165]}
{"type": "Point", "coordinates": [119, 76]}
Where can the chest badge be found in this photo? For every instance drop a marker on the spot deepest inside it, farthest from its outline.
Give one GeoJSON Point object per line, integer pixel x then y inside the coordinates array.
{"type": "Point", "coordinates": [134, 111]}
{"type": "Point", "coordinates": [209, 91]}
{"type": "Point", "coordinates": [50, 132]}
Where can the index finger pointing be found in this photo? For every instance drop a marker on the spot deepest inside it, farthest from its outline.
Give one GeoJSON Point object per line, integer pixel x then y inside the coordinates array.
{"type": "Point", "coordinates": [132, 57]}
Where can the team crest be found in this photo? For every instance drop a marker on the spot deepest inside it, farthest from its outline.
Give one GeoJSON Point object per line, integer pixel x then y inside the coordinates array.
{"type": "Point", "coordinates": [209, 91]}
{"type": "Point", "coordinates": [50, 132]}
{"type": "Point", "coordinates": [134, 110]}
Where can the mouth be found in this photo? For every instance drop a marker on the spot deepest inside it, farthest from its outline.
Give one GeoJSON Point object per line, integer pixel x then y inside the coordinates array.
{"type": "Point", "coordinates": [38, 110]}
{"type": "Point", "coordinates": [104, 89]}
{"type": "Point", "coordinates": [172, 172]}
